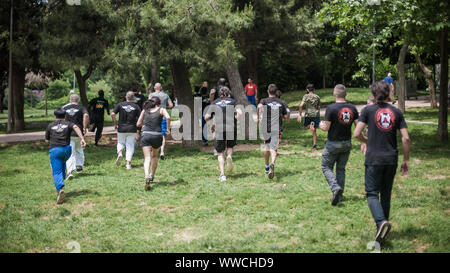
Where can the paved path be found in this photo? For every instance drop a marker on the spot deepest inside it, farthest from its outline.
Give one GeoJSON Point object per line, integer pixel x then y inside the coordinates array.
{"type": "Point", "coordinates": [422, 101]}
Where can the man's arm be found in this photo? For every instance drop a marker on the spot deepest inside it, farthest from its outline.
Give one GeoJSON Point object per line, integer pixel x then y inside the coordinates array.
{"type": "Point", "coordinates": [324, 125]}
{"type": "Point", "coordinates": [140, 121]}
{"type": "Point", "coordinates": [300, 110]}
{"type": "Point", "coordinates": [107, 108]}
{"type": "Point", "coordinates": [80, 135]}
{"type": "Point", "coordinates": [85, 122]}
{"type": "Point", "coordinates": [406, 147]}
{"type": "Point", "coordinates": [358, 132]}
{"type": "Point", "coordinates": [211, 95]}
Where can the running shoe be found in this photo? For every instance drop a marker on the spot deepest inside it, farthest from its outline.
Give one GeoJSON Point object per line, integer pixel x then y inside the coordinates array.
{"type": "Point", "coordinates": [383, 231]}
{"type": "Point", "coordinates": [162, 157]}
{"type": "Point", "coordinates": [60, 198]}
{"type": "Point", "coordinates": [69, 176]}
{"type": "Point", "coordinates": [222, 178]}
{"type": "Point", "coordinates": [79, 169]}
{"type": "Point", "coordinates": [148, 181]}
{"type": "Point", "coordinates": [314, 148]}
{"type": "Point", "coordinates": [128, 167]}
{"type": "Point", "coordinates": [119, 159]}
{"type": "Point", "coordinates": [267, 169]}
{"type": "Point", "coordinates": [229, 164]}
{"type": "Point", "coordinates": [271, 170]}
{"type": "Point", "coordinates": [336, 195]}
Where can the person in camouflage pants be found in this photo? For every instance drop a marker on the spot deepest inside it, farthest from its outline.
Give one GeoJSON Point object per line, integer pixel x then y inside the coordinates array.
{"type": "Point", "coordinates": [311, 102]}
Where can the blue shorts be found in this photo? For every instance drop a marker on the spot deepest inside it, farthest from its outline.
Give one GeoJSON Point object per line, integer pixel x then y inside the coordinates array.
{"type": "Point", "coordinates": [164, 126]}
{"type": "Point", "coordinates": [308, 121]}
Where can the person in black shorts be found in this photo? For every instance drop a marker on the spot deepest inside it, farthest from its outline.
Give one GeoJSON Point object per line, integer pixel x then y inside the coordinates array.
{"type": "Point", "coordinates": [152, 137]}
{"type": "Point", "coordinates": [225, 128]}
{"type": "Point", "coordinates": [98, 106]}
{"type": "Point", "coordinates": [58, 135]}
{"type": "Point", "coordinates": [271, 112]}
{"type": "Point", "coordinates": [383, 121]}
{"type": "Point", "coordinates": [338, 121]}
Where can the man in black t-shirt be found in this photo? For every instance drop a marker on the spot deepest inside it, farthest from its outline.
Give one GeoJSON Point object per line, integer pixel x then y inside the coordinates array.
{"type": "Point", "coordinates": [58, 135]}
{"type": "Point", "coordinates": [271, 111]}
{"type": "Point", "coordinates": [77, 114]}
{"type": "Point", "coordinates": [383, 121]}
{"type": "Point", "coordinates": [225, 115]}
{"type": "Point", "coordinates": [98, 106]}
{"type": "Point", "coordinates": [338, 121]}
{"type": "Point", "coordinates": [127, 131]}
{"type": "Point", "coordinates": [139, 99]}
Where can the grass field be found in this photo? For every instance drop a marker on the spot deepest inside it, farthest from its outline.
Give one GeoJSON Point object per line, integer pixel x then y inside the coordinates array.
{"type": "Point", "coordinates": [188, 210]}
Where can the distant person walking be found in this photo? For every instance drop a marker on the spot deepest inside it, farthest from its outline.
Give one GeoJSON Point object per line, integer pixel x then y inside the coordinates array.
{"type": "Point", "coordinates": [383, 121]}
{"type": "Point", "coordinates": [98, 106]}
{"type": "Point", "coordinates": [166, 103]}
{"type": "Point", "coordinates": [58, 135]}
{"type": "Point", "coordinates": [251, 90]}
{"type": "Point", "coordinates": [78, 115]}
{"type": "Point", "coordinates": [338, 121]}
{"type": "Point", "coordinates": [127, 132]}
{"type": "Point", "coordinates": [312, 114]}
{"type": "Point", "coordinates": [150, 120]}
{"type": "Point", "coordinates": [139, 99]}
{"type": "Point", "coordinates": [203, 92]}
{"type": "Point", "coordinates": [390, 81]}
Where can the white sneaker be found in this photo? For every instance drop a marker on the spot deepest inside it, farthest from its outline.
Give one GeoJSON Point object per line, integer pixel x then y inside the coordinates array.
{"type": "Point", "coordinates": [69, 176]}
{"type": "Point", "coordinates": [119, 159]}
{"type": "Point", "coordinates": [215, 152]}
{"type": "Point", "coordinates": [128, 167]}
{"type": "Point", "coordinates": [222, 178]}
{"type": "Point", "coordinates": [229, 164]}
{"type": "Point", "coordinates": [60, 198]}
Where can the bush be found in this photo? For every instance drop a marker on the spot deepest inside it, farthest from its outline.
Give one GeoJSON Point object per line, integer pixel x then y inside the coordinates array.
{"type": "Point", "coordinates": [58, 89]}
{"type": "Point", "coordinates": [53, 104]}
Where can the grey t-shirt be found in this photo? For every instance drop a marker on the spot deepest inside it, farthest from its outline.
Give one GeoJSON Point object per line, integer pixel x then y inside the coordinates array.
{"type": "Point", "coordinates": [162, 96]}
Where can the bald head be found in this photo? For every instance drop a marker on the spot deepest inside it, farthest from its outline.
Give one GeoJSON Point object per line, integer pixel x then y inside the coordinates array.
{"type": "Point", "coordinates": [158, 86]}
{"type": "Point", "coordinates": [74, 98]}
{"type": "Point", "coordinates": [130, 96]}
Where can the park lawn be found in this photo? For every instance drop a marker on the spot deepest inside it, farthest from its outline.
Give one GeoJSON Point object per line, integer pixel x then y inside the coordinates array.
{"type": "Point", "coordinates": [354, 95]}
{"type": "Point", "coordinates": [188, 210]}
{"type": "Point", "coordinates": [422, 114]}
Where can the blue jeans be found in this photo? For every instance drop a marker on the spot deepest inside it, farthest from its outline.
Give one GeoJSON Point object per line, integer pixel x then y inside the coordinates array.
{"type": "Point", "coordinates": [335, 152]}
{"type": "Point", "coordinates": [58, 158]}
{"type": "Point", "coordinates": [251, 99]}
{"type": "Point", "coordinates": [379, 181]}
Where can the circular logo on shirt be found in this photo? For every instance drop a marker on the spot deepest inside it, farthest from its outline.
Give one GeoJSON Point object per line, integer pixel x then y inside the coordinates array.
{"type": "Point", "coordinates": [345, 116]}
{"type": "Point", "coordinates": [385, 119]}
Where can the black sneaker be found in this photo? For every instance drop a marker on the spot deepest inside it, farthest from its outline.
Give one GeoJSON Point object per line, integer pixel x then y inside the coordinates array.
{"type": "Point", "coordinates": [148, 180]}
{"type": "Point", "coordinates": [383, 231]}
{"type": "Point", "coordinates": [336, 195]}
{"type": "Point", "coordinates": [267, 169]}
{"type": "Point", "coordinates": [271, 170]}
{"type": "Point", "coordinates": [79, 169]}
{"type": "Point", "coordinates": [162, 157]}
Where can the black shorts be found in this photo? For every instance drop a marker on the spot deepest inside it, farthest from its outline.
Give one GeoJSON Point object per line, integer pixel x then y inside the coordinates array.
{"type": "Point", "coordinates": [223, 144]}
{"type": "Point", "coordinates": [151, 140]}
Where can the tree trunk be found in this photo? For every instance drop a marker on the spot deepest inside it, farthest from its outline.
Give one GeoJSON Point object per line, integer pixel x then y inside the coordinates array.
{"type": "Point", "coordinates": [154, 75]}
{"type": "Point", "coordinates": [252, 64]}
{"type": "Point", "coordinates": [442, 133]}
{"type": "Point", "coordinates": [18, 79]}
{"type": "Point", "coordinates": [401, 76]}
{"type": "Point", "coordinates": [234, 78]}
{"type": "Point", "coordinates": [2, 97]}
{"type": "Point", "coordinates": [183, 89]}
{"type": "Point", "coordinates": [81, 80]}
{"type": "Point", "coordinates": [324, 67]}
{"type": "Point", "coordinates": [429, 76]}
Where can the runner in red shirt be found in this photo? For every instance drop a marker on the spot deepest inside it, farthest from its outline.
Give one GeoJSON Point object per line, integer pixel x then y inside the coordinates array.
{"type": "Point", "coordinates": [251, 90]}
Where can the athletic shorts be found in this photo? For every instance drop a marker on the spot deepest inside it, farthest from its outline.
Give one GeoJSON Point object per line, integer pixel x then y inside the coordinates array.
{"type": "Point", "coordinates": [164, 126]}
{"type": "Point", "coordinates": [273, 142]}
{"type": "Point", "coordinates": [222, 145]}
{"type": "Point", "coordinates": [308, 121]}
{"type": "Point", "coordinates": [151, 140]}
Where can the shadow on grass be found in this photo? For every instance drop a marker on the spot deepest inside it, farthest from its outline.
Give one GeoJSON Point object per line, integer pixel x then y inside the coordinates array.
{"type": "Point", "coordinates": [179, 181]}
{"type": "Point", "coordinates": [76, 193]}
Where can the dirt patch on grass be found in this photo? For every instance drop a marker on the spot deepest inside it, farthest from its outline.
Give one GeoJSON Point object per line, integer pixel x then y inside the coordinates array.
{"type": "Point", "coordinates": [266, 227]}
{"type": "Point", "coordinates": [188, 235]}
{"type": "Point", "coordinates": [436, 177]}
{"type": "Point", "coordinates": [237, 148]}
{"type": "Point", "coordinates": [311, 153]}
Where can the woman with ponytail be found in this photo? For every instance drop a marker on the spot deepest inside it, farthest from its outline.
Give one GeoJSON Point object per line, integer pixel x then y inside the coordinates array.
{"type": "Point", "coordinates": [152, 137]}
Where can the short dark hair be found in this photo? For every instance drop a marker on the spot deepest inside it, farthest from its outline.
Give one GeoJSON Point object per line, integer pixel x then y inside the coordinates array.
{"type": "Point", "coordinates": [310, 87]}
{"type": "Point", "coordinates": [380, 90]}
{"type": "Point", "coordinates": [224, 92]}
{"type": "Point", "coordinates": [101, 93]}
{"type": "Point", "coordinates": [60, 113]}
{"type": "Point", "coordinates": [272, 88]}
{"type": "Point", "coordinates": [221, 81]}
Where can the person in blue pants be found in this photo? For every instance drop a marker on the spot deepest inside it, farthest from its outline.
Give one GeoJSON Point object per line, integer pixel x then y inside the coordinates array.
{"type": "Point", "coordinates": [58, 135]}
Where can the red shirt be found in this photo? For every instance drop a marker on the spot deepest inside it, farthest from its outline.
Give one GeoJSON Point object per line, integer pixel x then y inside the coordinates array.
{"type": "Point", "coordinates": [250, 89]}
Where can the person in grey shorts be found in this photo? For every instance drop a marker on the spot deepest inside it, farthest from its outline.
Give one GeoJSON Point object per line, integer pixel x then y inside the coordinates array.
{"type": "Point", "coordinates": [338, 121]}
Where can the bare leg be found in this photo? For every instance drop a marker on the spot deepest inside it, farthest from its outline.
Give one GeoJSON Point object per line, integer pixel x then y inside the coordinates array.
{"type": "Point", "coordinates": [273, 154]}
{"type": "Point", "coordinates": [147, 155]}
{"type": "Point", "coordinates": [314, 136]}
{"type": "Point", "coordinates": [221, 158]}
{"type": "Point", "coordinates": [163, 145]}
{"type": "Point", "coordinates": [154, 160]}
{"type": "Point", "coordinates": [266, 156]}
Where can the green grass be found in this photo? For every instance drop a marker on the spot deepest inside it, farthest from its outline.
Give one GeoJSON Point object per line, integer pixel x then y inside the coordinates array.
{"type": "Point", "coordinates": [188, 210]}
{"type": "Point", "coordinates": [422, 114]}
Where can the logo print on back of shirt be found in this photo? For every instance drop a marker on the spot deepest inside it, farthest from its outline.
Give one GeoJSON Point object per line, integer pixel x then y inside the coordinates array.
{"type": "Point", "coordinates": [223, 103]}
{"type": "Point", "coordinates": [59, 128]}
{"type": "Point", "coordinates": [72, 111]}
{"type": "Point", "coordinates": [384, 119]}
{"type": "Point", "coordinates": [345, 116]}
{"type": "Point", "coordinates": [128, 108]}
{"type": "Point", "coordinates": [274, 105]}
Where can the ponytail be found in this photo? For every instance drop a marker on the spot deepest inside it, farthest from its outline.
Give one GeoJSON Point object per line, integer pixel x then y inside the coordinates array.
{"type": "Point", "coordinates": [152, 103]}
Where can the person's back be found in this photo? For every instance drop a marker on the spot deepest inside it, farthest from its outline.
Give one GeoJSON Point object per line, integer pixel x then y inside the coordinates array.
{"type": "Point", "coordinates": [163, 97]}
{"type": "Point", "coordinates": [58, 133]}
{"type": "Point", "coordinates": [152, 121]}
{"type": "Point", "coordinates": [99, 105]}
{"type": "Point", "coordinates": [128, 116]}
{"type": "Point", "coordinates": [341, 117]}
{"type": "Point", "coordinates": [74, 114]}
{"type": "Point", "coordinates": [312, 103]}
{"type": "Point", "coordinates": [228, 123]}
{"type": "Point", "coordinates": [273, 113]}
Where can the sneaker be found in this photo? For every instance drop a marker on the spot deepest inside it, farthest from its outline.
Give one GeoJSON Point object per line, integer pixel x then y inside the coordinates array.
{"type": "Point", "coordinates": [383, 231]}
{"type": "Point", "coordinates": [271, 170]}
{"type": "Point", "coordinates": [229, 164]}
{"type": "Point", "coordinates": [336, 196]}
{"type": "Point", "coordinates": [60, 198]}
{"type": "Point", "coordinates": [267, 169]}
{"type": "Point", "coordinates": [69, 176]}
{"type": "Point", "coordinates": [79, 169]}
{"type": "Point", "coordinates": [128, 167]}
{"type": "Point", "coordinates": [119, 159]}
{"type": "Point", "coordinates": [314, 148]}
{"type": "Point", "coordinates": [162, 157]}
{"type": "Point", "coordinates": [222, 178]}
{"type": "Point", "coordinates": [148, 181]}
{"type": "Point", "coordinates": [215, 152]}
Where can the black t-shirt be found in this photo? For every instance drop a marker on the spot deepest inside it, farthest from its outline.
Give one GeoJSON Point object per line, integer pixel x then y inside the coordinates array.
{"type": "Point", "coordinates": [383, 121]}
{"type": "Point", "coordinates": [129, 113]}
{"type": "Point", "coordinates": [273, 111]}
{"type": "Point", "coordinates": [341, 115]}
{"type": "Point", "coordinates": [139, 99]}
{"type": "Point", "coordinates": [58, 133]}
{"type": "Point", "coordinates": [99, 105]}
{"type": "Point", "coordinates": [74, 114]}
{"type": "Point", "coordinates": [226, 121]}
